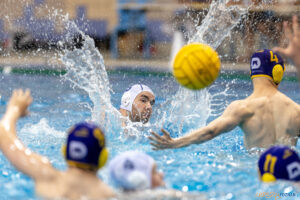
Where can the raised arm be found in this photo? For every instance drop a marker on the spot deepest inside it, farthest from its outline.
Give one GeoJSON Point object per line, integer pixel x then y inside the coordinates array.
{"type": "Point", "coordinates": [22, 158]}
{"type": "Point", "coordinates": [233, 115]}
{"type": "Point", "coordinates": [293, 49]}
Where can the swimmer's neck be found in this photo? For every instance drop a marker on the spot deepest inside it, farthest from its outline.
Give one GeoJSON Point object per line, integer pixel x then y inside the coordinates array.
{"type": "Point", "coordinates": [80, 172]}
{"type": "Point", "coordinates": [126, 113]}
{"type": "Point", "coordinates": [264, 86]}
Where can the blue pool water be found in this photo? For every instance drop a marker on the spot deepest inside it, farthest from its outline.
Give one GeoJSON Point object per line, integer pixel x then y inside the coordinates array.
{"type": "Point", "coordinates": [220, 168]}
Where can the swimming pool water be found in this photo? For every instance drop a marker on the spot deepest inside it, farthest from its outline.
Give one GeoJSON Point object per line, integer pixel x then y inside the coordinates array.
{"type": "Point", "coordinates": [220, 168]}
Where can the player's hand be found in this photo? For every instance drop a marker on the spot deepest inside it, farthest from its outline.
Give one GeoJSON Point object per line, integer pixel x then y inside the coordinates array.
{"type": "Point", "coordinates": [162, 142]}
{"type": "Point", "coordinates": [19, 102]}
{"type": "Point", "coordinates": [293, 35]}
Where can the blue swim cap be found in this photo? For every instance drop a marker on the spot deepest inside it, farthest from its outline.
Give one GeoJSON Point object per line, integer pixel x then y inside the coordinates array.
{"type": "Point", "coordinates": [268, 64]}
{"type": "Point", "coordinates": [85, 146]}
{"type": "Point", "coordinates": [279, 162]}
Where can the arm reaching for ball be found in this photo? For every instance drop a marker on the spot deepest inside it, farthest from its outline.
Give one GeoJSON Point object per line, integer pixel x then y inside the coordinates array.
{"type": "Point", "coordinates": [232, 117]}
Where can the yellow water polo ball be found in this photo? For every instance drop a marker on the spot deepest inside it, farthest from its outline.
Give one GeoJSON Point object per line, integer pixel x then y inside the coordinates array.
{"type": "Point", "coordinates": [196, 66]}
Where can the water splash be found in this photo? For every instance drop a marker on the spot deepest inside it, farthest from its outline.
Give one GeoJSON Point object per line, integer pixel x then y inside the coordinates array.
{"type": "Point", "coordinates": [186, 109]}
{"type": "Point", "coordinates": [192, 109]}
{"type": "Point", "coordinates": [42, 127]}
{"type": "Point", "coordinates": [222, 95]}
{"type": "Point", "coordinates": [218, 23]}
{"type": "Point", "coordinates": [86, 71]}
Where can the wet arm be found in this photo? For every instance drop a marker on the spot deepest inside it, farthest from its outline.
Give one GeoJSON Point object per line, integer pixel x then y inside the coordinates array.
{"type": "Point", "coordinates": [21, 157]}
{"type": "Point", "coordinates": [234, 114]}
{"type": "Point", "coordinates": [215, 128]}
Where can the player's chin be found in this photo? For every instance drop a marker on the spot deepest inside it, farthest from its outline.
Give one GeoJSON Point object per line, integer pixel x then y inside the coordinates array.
{"type": "Point", "coordinates": [145, 119]}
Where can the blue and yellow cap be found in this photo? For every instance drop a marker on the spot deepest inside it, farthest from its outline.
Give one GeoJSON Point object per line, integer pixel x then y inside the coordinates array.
{"type": "Point", "coordinates": [279, 162]}
{"type": "Point", "coordinates": [85, 146]}
{"type": "Point", "coordinates": [267, 63]}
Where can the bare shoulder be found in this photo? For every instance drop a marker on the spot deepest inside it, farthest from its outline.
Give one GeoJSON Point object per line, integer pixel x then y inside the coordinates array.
{"type": "Point", "coordinates": [293, 107]}
{"type": "Point", "coordinates": [288, 102]}
{"type": "Point", "coordinates": [47, 172]}
{"type": "Point", "coordinates": [239, 104]}
{"type": "Point", "coordinates": [240, 108]}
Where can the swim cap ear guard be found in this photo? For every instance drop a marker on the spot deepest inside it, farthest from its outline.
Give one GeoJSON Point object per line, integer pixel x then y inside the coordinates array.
{"type": "Point", "coordinates": [268, 64]}
{"type": "Point", "coordinates": [85, 147]}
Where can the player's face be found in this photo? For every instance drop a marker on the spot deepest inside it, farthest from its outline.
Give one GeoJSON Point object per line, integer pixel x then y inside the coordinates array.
{"type": "Point", "coordinates": [142, 107]}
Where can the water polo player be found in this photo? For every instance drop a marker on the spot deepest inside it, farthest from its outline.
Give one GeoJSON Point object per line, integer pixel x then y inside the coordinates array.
{"type": "Point", "coordinates": [85, 153]}
{"type": "Point", "coordinates": [135, 174]}
{"type": "Point", "coordinates": [137, 102]}
{"type": "Point", "coordinates": [266, 117]}
{"type": "Point", "coordinates": [134, 170]}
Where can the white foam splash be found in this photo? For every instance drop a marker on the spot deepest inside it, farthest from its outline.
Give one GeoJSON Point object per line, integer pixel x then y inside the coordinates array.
{"type": "Point", "coordinates": [187, 109]}
{"type": "Point", "coordinates": [192, 108]}
{"type": "Point", "coordinates": [218, 23]}
{"type": "Point", "coordinates": [41, 128]}
{"type": "Point", "coordinates": [86, 70]}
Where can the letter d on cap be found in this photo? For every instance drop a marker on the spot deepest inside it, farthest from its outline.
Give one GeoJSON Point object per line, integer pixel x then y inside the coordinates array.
{"type": "Point", "coordinates": [255, 63]}
{"type": "Point", "coordinates": [77, 150]}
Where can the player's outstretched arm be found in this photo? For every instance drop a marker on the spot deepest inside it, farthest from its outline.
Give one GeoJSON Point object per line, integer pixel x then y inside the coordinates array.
{"type": "Point", "coordinates": [293, 49]}
{"type": "Point", "coordinates": [22, 158]}
{"type": "Point", "coordinates": [233, 115]}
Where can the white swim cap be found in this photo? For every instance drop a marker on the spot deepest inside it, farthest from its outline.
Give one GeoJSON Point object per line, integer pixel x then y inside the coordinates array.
{"type": "Point", "coordinates": [130, 95]}
{"type": "Point", "coordinates": [132, 170]}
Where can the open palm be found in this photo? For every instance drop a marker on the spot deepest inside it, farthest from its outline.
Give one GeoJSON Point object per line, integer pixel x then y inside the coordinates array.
{"type": "Point", "coordinates": [293, 35]}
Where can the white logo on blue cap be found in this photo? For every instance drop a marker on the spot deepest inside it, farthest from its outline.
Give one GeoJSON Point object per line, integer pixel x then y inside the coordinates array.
{"type": "Point", "coordinates": [293, 169]}
{"type": "Point", "coordinates": [255, 63]}
{"type": "Point", "coordinates": [77, 150]}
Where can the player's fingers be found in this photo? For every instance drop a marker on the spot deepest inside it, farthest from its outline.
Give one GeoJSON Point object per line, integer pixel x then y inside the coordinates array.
{"type": "Point", "coordinates": [152, 138]}
{"type": "Point", "coordinates": [279, 50]}
{"type": "Point", "coordinates": [295, 25]}
{"type": "Point", "coordinates": [156, 137]}
{"type": "Point", "coordinates": [166, 133]}
{"type": "Point", "coordinates": [155, 149]}
{"type": "Point", "coordinates": [287, 31]}
{"type": "Point", "coordinates": [157, 146]}
{"type": "Point", "coordinates": [27, 92]}
{"type": "Point", "coordinates": [14, 93]}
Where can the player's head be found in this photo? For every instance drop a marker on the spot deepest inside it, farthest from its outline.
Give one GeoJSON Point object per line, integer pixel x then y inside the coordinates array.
{"type": "Point", "coordinates": [85, 147]}
{"type": "Point", "coordinates": [279, 162]}
{"type": "Point", "coordinates": [267, 63]}
{"type": "Point", "coordinates": [138, 100]}
{"type": "Point", "coordinates": [133, 170]}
